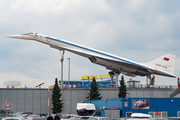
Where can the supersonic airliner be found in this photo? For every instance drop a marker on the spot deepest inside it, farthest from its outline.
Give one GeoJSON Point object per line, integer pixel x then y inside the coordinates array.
{"type": "Point", "coordinates": [163, 65]}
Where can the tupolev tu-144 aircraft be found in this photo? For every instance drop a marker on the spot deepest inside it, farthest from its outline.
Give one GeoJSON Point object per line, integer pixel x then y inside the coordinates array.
{"type": "Point", "coordinates": [163, 65]}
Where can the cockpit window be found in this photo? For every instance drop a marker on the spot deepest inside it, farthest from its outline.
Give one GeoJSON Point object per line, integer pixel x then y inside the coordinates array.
{"type": "Point", "coordinates": [30, 33]}
{"type": "Point", "coordinates": [25, 34]}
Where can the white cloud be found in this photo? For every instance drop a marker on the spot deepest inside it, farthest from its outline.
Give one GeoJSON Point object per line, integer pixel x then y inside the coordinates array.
{"type": "Point", "coordinates": [25, 81]}
{"type": "Point", "coordinates": [138, 30]}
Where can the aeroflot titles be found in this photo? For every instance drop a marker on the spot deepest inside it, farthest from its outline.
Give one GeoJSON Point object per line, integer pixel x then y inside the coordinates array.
{"type": "Point", "coordinates": [161, 65]}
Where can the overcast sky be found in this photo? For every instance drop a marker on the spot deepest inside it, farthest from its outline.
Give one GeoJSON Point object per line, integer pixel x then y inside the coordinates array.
{"type": "Point", "coordinates": [139, 30]}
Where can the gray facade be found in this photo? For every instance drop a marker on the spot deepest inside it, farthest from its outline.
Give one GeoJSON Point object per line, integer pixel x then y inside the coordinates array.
{"type": "Point", "coordinates": [36, 100]}
{"type": "Point", "coordinates": [25, 99]}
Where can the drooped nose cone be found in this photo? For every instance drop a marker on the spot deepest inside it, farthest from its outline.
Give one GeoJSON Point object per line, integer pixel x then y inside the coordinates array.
{"type": "Point", "coordinates": [23, 36]}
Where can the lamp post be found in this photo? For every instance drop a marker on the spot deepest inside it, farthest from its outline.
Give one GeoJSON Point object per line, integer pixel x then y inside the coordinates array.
{"type": "Point", "coordinates": [48, 100]}
{"type": "Point", "coordinates": [68, 84]}
{"type": "Point", "coordinates": [89, 89]}
{"type": "Point", "coordinates": [69, 73]}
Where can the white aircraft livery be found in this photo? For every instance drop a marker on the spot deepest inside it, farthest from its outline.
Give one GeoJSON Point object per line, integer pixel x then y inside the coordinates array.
{"type": "Point", "coordinates": [163, 65]}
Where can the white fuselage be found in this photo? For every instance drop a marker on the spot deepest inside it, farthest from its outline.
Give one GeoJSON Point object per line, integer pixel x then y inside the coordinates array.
{"type": "Point", "coordinates": [112, 62]}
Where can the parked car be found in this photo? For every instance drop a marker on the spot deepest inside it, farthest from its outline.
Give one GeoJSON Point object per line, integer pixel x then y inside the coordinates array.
{"type": "Point", "coordinates": [33, 117]}
{"type": "Point", "coordinates": [3, 115]}
{"type": "Point", "coordinates": [20, 113]}
{"type": "Point", "coordinates": [12, 118]}
{"type": "Point", "coordinates": [67, 116]}
{"type": "Point", "coordinates": [98, 118]}
{"type": "Point", "coordinates": [2, 118]}
{"type": "Point", "coordinates": [80, 118]}
{"type": "Point", "coordinates": [172, 118]}
{"type": "Point", "coordinates": [45, 114]}
{"type": "Point", "coordinates": [14, 115]}
{"type": "Point", "coordinates": [25, 115]}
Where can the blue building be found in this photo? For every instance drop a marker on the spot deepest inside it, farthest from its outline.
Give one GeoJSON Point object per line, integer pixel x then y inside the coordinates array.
{"type": "Point", "coordinates": [124, 107]}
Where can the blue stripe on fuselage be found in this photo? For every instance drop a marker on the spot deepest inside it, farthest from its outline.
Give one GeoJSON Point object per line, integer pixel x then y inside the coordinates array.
{"type": "Point", "coordinates": [58, 40]}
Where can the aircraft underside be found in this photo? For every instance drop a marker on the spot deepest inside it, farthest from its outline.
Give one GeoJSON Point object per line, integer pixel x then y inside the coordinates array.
{"type": "Point", "coordinates": [119, 67]}
{"type": "Point", "coordinates": [115, 66]}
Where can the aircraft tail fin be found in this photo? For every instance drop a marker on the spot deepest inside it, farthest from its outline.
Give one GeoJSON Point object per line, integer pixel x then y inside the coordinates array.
{"type": "Point", "coordinates": [164, 63]}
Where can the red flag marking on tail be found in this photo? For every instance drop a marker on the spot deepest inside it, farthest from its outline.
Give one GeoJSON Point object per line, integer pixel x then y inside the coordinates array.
{"type": "Point", "coordinates": [165, 58]}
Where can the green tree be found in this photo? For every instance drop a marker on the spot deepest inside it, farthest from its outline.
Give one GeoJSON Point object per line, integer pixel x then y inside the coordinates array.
{"type": "Point", "coordinates": [94, 92]}
{"type": "Point", "coordinates": [56, 95]}
{"type": "Point", "coordinates": [122, 89]}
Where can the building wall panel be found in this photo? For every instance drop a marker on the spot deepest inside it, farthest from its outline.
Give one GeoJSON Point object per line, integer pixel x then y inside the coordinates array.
{"type": "Point", "coordinates": [151, 93]}
{"type": "Point", "coordinates": [139, 93]}
{"type": "Point", "coordinates": [28, 100]}
{"type": "Point", "coordinates": [104, 94]}
{"type": "Point", "coordinates": [44, 101]}
{"type": "Point", "coordinates": [112, 93]}
{"type": "Point", "coordinates": [75, 97]}
{"type": "Point", "coordinates": [21, 100]}
{"type": "Point", "coordinates": [14, 99]}
{"type": "Point", "coordinates": [146, 93]}
{"type": "Point", "coordinates": [165, 93]}
{"type": "Point", "coordinates": [50, 101]}
{"type": "Point", "coordinates": [66, 100]}
{"type": "Point", "coordinates": [132, 92]}
{"type": "Point", "coordinates": [36, 100]}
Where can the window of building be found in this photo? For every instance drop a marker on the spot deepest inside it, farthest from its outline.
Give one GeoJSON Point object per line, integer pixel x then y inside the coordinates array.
{"type": "Point", "coordinates": [152, 114]}
{"type": "Point", "coordinates": [178, 114]}
{"type": "Point", "coordinates": [128, 114]}
{"type": "Point", "coordinates": [164, 114]}
{"type": "Point", "coordinates": [98, 109]}
{"type": "Point", "coordinates": [79, 84]}
{"type": "Point", "coordinates": [125, 104]}
{"type": "Point", "coordinates": [161, 114]}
